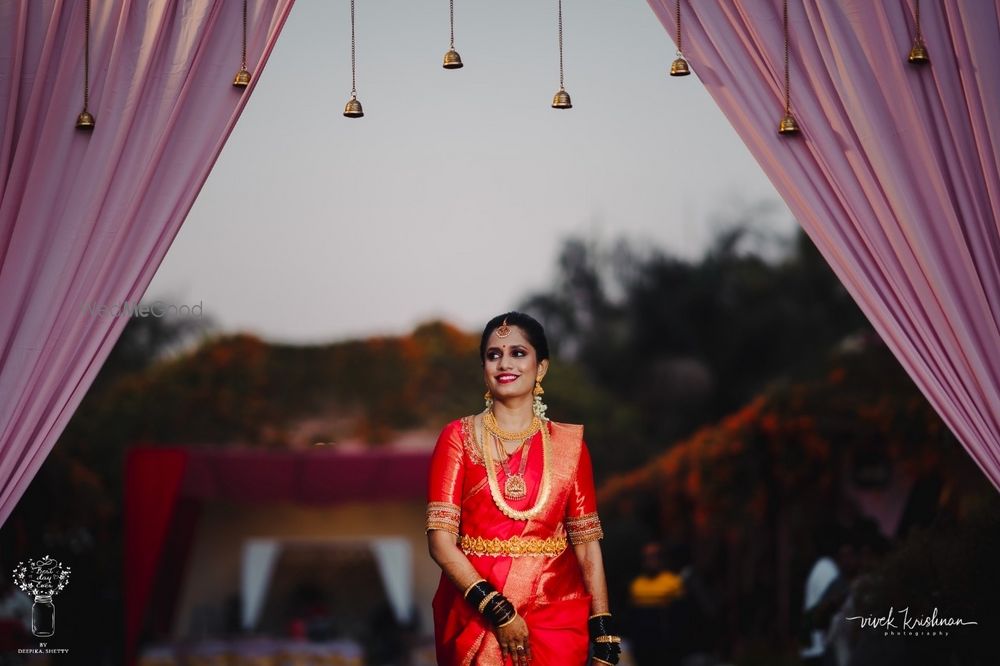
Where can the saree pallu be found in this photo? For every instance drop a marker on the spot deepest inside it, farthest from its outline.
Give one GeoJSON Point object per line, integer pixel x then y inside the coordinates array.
{"type": "Point", "coordinates": [548, 591]}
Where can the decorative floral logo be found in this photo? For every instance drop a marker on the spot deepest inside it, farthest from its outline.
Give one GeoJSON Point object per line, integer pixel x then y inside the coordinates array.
{"type": "Point", "coordinates": [42, 579]}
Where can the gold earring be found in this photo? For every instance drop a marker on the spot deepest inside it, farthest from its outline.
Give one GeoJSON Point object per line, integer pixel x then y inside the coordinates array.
{"type": "Point", "coordinates": [537, 406]}
{"type": "Point", "coordinates": [488, 399]}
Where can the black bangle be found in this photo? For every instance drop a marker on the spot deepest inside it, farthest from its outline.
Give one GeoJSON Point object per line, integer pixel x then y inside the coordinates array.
{"type": "Point", "coordinates": [486, 600]}
{"type": "Point", "coordinates": [499, 610]}
{"type": "Point", "coordinates": [477, 592]}
{"type": "Point", "coordinates": [603, 638]}
{"type": "Point", "coordinates": [601, 625]}
{"type": "Point", "coordinates": [607, 652]}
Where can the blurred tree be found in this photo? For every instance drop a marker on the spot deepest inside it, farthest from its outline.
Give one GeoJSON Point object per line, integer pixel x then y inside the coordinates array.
{"type": "Point", "coordinates": [684, 342]}
{"type": "Point", "coordinates": [146, 340]}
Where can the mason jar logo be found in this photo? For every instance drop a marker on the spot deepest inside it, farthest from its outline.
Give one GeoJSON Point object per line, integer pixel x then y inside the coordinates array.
{"type": "Point", "coordinates": [42, 579]}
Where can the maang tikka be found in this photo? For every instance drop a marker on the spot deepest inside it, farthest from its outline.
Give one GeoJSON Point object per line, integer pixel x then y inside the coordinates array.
{"type": "Point", "coordinates": [503, 330]}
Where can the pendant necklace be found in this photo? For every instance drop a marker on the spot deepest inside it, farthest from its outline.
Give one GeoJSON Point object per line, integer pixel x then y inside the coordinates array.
{"type": "Point", "coordinates": [491, 475]}
{"type": "Point", "coordinates": [514, 488]}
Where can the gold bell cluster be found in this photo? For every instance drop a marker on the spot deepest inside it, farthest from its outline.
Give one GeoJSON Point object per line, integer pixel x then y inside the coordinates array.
{"type": "Point", "coordinates": [787, 126]}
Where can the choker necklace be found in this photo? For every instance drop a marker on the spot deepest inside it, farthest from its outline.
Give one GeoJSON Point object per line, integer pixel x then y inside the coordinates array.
{"type": "Point", "coordinates": [490, 422]}
{"type": "Point", "coordinates": [491, 475]}
{"type": "Point", "coordinates": [514, 488]}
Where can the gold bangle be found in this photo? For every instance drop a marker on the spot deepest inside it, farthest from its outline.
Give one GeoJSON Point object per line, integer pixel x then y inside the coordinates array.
{"type": "Point", "coordinates": [465, 595]}
{"type": "Point", "coordinates": [607, 638]}
{"type": "Point", "coordinates": [599, 615]}
{"type": "Point", "coordinates": [514, 617]}
{"type": "Point", "coordinates": [486, 600]}
{"type": "Point", "coordinates": [602, 661]}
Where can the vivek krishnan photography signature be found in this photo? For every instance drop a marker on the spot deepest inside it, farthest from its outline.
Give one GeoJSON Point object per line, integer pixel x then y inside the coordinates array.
{"type": "Point", "coordinates": [902, 623]}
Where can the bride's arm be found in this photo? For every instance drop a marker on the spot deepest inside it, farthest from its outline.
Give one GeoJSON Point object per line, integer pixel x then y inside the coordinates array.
{"type": "Point", "coordinates": [592, 564]}
{"type": "Point", "coordinates": [453, 562]}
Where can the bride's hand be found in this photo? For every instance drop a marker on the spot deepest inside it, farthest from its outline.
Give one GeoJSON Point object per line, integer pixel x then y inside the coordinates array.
{"type": "Point", "coordinates": [511, 637]}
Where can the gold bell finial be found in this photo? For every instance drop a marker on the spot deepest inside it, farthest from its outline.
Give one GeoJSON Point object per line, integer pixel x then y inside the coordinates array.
{"type": "Point", "coordinates": [242, 78]}
{"type": "Point", "coordinates": [788, 125]}
{"type": "Point", "coordinates": [353, 108]}
{"type": "Point", "coordinates": [85, 120]}
{"type": "Point", "coordinates": [679, 67]}
{"type": "Point", "coordinates": [452, 60]}
{"type": "Point", "coordinates": [918, 53]}
{"type": "Point", "coordinates": [561, 100]}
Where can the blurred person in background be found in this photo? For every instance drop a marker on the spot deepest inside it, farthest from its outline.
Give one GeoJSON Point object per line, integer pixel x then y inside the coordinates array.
{"type": "Point", "coordinates": [654, 621]}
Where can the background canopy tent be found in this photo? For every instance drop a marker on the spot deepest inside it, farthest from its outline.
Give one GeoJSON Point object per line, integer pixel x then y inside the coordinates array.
{"type": "Point", "coordinates": [162, 484]}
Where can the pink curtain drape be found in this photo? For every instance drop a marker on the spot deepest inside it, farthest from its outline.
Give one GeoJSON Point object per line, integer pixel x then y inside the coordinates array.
{"type": "Point", "coordinates": [895, 176]}
{"type": "Point", "coordinates": [86, 218]}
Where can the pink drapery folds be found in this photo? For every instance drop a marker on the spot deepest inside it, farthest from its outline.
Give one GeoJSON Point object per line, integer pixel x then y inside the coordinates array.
{"type": "Point", "coordinates": [895, 175]}
{"type": "Point", "coordinates": [86, 217]}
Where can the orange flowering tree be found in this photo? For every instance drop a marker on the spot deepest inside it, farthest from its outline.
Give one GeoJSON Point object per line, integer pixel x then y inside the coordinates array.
{"type": "Point", "coordinates": [748, 494]}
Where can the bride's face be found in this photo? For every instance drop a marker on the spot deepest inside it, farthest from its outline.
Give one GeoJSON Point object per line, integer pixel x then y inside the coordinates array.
{"type": "Point", "coordinates": [511, 365]}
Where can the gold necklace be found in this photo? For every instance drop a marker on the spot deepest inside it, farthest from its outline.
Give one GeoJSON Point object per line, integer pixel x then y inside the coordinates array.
{"type": "Point", "coordinates": [491, 475]}
{"type": "Point", "coordinates": [490, 422]}
{"type": "Point", "coordinates": [514, 488]}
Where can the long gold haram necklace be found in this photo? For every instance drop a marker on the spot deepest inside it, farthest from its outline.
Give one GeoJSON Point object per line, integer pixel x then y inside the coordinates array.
{"type": "Point", "coordinates": [491, 474]}
{"type": "Point", "coordinates": [514, 488]}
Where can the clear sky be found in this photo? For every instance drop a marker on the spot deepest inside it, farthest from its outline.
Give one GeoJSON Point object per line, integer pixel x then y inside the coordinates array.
{"type": "Point", "coordinates": [451, 197]}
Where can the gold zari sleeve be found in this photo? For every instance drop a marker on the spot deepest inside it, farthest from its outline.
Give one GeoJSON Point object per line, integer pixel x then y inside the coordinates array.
{"type": "Point", "coordinates": [443, 516]}
{"type": "Point", "coordinates": [584, 528]}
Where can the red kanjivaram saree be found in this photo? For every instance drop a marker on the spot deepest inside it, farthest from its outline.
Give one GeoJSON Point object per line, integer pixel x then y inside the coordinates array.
{"type": "Point", "coordinates": [529, 561]}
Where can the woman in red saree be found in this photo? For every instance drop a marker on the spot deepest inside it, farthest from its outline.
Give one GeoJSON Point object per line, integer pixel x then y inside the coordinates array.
{"type": "Point", "coordinates": [512, 522]}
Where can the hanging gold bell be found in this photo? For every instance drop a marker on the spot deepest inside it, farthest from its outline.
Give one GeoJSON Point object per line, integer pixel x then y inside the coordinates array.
{"type": "Point", "coordinates": [788, 125]}
{"type": "Point", "coordinates": [561, 100]}
{"type": "Point", "coordinates": [452, 60]}
{"type": "Point", "coordinates": [242, 79]}
{"type": "Point", "coordinates": [353, 108]}
{"type": "Point", "coordinates": [679, 67]}
{"type": "Point", "coordinates": [918, 53]}
{"type": "Point", "coordinates": [85, 120]}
